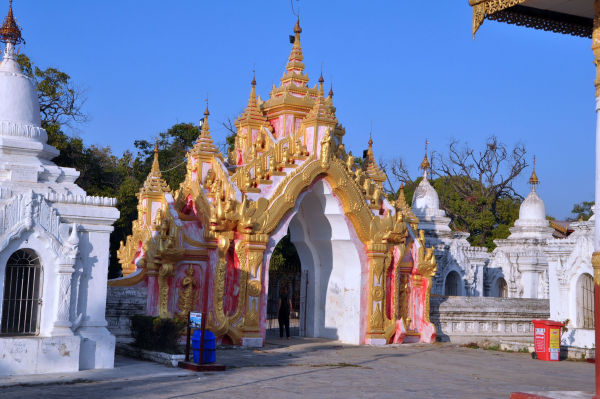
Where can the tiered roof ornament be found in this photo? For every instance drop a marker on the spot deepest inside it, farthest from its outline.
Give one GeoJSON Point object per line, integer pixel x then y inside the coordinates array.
{"type": "Point", "coordinates": [322, 111]}
{"type": "Point", "coordinates": [295, 66]}
{"type": "Point", "coordinates": [294, 88]}
{"type": "Point", "coordinates": [402, 207]}
{"type": "Point", "coordinates": [10, 31]}
{"type": "Point", "coordinates": [252, 115]}
{"type": "Point", "coordinates": [371, 167]}
{"type": "Point", "coordinates": [205, 147]}
{"type": "Point", "coordinates": [154, 184]}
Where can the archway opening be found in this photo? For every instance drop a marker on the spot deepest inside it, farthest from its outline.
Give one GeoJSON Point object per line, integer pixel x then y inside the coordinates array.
{"type": "Point", "coordinates": [585, 301]}
{"type": "Point", "coordinates": [22, 294]}
{"type": "Point", "coordinates": [332, 267]}
{"type": "Point", "coordinates": [451, 286]}
{"type": "Point", "coordinates": [284, 275]}
{"type": "Point", "coordinates": [502, 288]}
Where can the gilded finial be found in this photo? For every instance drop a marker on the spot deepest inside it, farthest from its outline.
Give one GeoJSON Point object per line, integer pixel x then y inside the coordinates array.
{"type": "Point", "coordinates": [321, 80]}
{"type": "Point", "coordinates": [155, 165]}
{"type": "Point", "coordinates": [205, 128]}
{"type": "Point", "coordinates": [425, 165]}
{"type": "Point", "coordinates": [533, 180]}
{"type": "Point", "coordinates": [253, 83]}
{"type": "Point", "coordinates": [10, 31]}
{"type": "Point", "coordinates": [331, 90]}
{"type": "Point", "coordinates": [297, 28]}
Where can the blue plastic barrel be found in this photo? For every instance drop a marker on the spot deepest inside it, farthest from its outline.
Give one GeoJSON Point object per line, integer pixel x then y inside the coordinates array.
{"type": "Point", "coordinates": [210, 347]}
{"type": "Point", "coordinates": [196, 337]}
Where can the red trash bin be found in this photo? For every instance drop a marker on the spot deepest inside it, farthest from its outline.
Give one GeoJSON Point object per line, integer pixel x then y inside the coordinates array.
{"type": "Point", "coordinates": [547, 339]}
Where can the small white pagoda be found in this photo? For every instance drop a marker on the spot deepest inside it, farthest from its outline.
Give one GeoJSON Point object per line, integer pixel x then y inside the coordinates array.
{"type": "Point", "coordinates": [54, 242]}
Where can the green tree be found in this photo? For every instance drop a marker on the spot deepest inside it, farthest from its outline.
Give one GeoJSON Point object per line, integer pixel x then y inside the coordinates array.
{"type": "Point", "coordinates": [285, 262]}
{"type": "Point", "coordinates": [475, 187]}
{"type": "Point", "coordinates": [173, 146]}
{"type": "Point", "coordinates": [61, 102]}
{"type": "Point", "coordinates": [582, 211]}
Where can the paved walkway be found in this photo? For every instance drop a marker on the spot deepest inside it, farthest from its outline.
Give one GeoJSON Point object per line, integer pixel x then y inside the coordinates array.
{"type": "Point", "coordinates": [314, 368]}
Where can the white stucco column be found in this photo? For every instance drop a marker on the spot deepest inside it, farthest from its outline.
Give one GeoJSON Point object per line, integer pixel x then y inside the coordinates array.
{"type": "Point", "coordinates": [90, 285]}
{"type": "Point", "coordinates": [596, 254]}
{"type": "Point", "coordinates": [62, 325]}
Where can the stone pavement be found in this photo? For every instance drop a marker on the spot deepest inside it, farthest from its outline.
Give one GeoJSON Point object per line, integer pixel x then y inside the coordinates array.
{"type": "Point", "coordinates": [316, 368]}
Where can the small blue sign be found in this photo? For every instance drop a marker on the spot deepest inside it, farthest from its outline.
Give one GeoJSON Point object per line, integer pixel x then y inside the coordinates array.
{"type": "Point", "coordinates": [195, 320]}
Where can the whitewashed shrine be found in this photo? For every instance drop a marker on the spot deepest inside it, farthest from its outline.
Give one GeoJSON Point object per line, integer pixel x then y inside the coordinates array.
{"type": "Point", "coordinates": [54, 242]}
{"type": "Point", "coordinates": [530, 263]}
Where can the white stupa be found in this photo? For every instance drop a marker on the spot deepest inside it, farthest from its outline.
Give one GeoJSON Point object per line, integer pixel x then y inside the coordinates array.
{"type": "Point", "coordinates": [532, 222]}
{"type": "Point", "coordinates": [54, 242]}
{"type": "Point", "coordinates": [426, 204]}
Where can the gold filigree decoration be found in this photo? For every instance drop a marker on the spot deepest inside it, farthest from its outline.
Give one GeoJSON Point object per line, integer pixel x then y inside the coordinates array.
{"type": "Point", "coordinates": [596, 266]}
{"type": "Point", "coordinates": [376, 319]}
{"type": "Point", "coordinates": [187, 295]}
{"type": "Point", "coordinates": [254, 288]}
{"type": "Point", "coordinates": [377, 293]}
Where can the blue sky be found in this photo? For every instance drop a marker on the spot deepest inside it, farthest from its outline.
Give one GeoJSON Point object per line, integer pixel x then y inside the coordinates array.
{"type": "Point", "coordinates": [411, 68]}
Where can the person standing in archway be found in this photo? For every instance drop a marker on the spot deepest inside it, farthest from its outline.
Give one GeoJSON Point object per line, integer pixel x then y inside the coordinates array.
{"type": "Point", "coordinates": [283, 312]}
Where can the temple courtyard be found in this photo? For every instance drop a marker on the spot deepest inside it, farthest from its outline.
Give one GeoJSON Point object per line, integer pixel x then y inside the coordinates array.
{"type": "Point", "coordinates": [317, 368]}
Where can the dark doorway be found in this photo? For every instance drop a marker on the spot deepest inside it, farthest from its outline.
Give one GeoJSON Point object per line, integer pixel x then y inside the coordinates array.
{"type": "Point", "coordinates": [284, 271]}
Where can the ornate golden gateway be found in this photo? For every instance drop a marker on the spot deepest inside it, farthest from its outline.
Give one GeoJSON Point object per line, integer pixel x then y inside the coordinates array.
{"type": "Point", "coordinates": [205, 246]}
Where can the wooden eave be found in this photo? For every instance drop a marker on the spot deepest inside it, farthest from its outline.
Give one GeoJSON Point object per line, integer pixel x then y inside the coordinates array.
{"type": "Point", "coordinates": [572, 17]}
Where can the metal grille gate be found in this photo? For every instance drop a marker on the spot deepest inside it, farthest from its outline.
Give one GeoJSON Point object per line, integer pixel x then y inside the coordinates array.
{"type": "Point", "coordinates": [585, 301]}
{"type": "Point", "coordinates": [22, 294]}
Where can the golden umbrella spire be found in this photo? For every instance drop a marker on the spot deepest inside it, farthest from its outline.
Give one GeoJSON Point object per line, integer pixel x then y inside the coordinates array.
{"type": "Point", "coordinates": [205, 131]}
{"type": "Point", "coordinates": [533, 180]}
{"type": "Point", "coordinates": [154, 183]}
{"type": "Point", "coordinates": [425, 165]}
{"type": "Point", "coordinates": [155, 165]}
{"type": "Point", "coordinates": [10, 31]}
{"type": "Point", "coordinates": [321, 92]}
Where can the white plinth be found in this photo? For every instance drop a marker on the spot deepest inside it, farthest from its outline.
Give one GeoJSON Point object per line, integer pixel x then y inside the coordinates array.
{"type": "Point", "coordinates": [39, 355]}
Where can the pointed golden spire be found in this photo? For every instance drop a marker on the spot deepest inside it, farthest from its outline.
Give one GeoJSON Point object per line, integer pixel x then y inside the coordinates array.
{"type": "Point", "coordinates": [330, 89]}
{"type": "Point", "coordinates": [252, 114]}
{"type": "Point", "coordinates": [204, 147]}
{"type": "Point", "coordinates": [533, 180]}
{"type": "Point", "coordinates": [403, 208]}
{"type": "Point", "coordinates": [370, 155]}
{"type": "Point", "coordinates": [205, 131]}
{"type": "Point", "coordinates": [425, 165]}
{"type": "Point", "coordinates": [10, 31]}
{"type": "Point", "coordinates": [295, 66]}
{"type": "Point", "coordinates": [155, 165]}
{"type": "Point", "coordinates": [321, 92]}
{"type": "Point", "coordinates": [370, 165]}
{"type": "Point", "coordinates": [252, 99]}
{"type": "Point", "coordinates": [155, 184]}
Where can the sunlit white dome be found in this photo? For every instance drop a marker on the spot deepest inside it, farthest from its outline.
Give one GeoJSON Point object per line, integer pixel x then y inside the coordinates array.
{"type": "Point", "coordinates": [18, 97]}
{"type": "Point", "coordinates": [532, 222]}
{"type": "Point", "coordinates": [425, 197]}
{"type": "Point", "coordinates": [21, 133]}
{"type": "Point", "coordinates": [532, 208]}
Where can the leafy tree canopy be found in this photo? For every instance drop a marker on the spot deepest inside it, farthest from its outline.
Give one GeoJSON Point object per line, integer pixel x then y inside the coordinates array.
{"type": "Point", "coordinates": [475, 187]}
{"type": "Point", "coordinates": [285, 261]}
{"type": "Point", "coordinates": [582, 211]}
